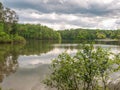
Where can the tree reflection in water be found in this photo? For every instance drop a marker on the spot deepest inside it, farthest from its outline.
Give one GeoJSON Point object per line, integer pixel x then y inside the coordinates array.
{"type": "Point", "coordinates": [37, 47]}
{"type": "Point", "coordinates": [10, 53]}
{"type": "Point", "coordinates": [8, 60]}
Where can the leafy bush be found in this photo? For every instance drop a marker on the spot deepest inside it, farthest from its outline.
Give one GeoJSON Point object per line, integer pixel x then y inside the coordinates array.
{"type": "Point", "coordinates": [18, 39]}
{"type": "Point", "coordinates": [83, 71]}
{"type": "Point", "coordinates": [4, 38]}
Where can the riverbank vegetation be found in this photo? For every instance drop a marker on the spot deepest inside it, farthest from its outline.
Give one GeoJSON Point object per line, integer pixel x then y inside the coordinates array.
{"type": "Point", "coordinates": [89, 34]}
{"type": "Point", "coordinates": [89, 69]}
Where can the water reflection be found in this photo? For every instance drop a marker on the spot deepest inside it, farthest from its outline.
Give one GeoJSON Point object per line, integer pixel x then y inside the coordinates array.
{"type": "Point", "coordinates": [8, 60]}
{"type": "Point", "coordinates": [23, 67]}
{"type": "Point", "coordinates": [10, 55]}
{"type": "Point", "coordinates": [37, 47]}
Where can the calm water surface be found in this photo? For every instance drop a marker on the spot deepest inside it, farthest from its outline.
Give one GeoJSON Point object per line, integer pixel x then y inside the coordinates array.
{"type": "Point", "coordinates": [23, 67]}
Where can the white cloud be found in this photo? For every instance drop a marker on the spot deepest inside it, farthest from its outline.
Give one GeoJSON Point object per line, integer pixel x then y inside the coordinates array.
{"type": "Point", "coordinates": [65, 14]}
{"type": "Point", "coordinates": [108, 24]}
{"type": "Point", "coordinates": [67, 21]}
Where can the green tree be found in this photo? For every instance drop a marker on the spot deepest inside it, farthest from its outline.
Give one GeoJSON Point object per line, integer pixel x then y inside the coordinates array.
{"type": "Point", "coordinates": [82, 71]}
{"type": "Point", "coordinates": [100, 35]}
{"type": "Point", "coordinates": [1, 12]}
{"type": "Point", "coordinates": [8, 26]}
{"type": "Point", "coordinates": [1, 17]}
{"type": "Point", "coordinates": [31, 31]}
{"type": "Point", "coordinates": [117, 34]}
{"type": "Point", "coordinates": [10, 20]}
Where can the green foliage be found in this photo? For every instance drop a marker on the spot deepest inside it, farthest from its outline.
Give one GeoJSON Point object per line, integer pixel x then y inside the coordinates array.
{"type": "Point", "coordinates": [89, 34]}
{"type": "Point", "coordinates": [100, 35]}
{"type": "Point", "coordinates": [118, 34]}
{"type": "Point", "coordinates": [8, 28]}
{"type": "Point", "coordinates": [8, 18]}
{"type": "Point", "coordinates": [31, 31]}
{"type": "Point", "coordinates": [18, 39]}
{"type": "Point", "coordinates": [1, 27]}
{"type": "Point", "coordinates": [1, 12]}
{"type": "Point", "coordinates": [82, 71]}
{"type": "Point", "coordinates": [4, 38]}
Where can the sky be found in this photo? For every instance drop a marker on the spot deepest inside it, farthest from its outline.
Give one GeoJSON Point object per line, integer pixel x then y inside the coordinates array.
{"type": "Point", "coordinates": [67, 14]}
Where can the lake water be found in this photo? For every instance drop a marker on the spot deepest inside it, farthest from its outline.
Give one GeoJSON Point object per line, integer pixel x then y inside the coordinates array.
{"type": "Point", "coordinates": [23, 67]}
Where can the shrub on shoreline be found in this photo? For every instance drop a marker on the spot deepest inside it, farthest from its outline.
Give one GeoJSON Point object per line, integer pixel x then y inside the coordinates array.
{"type": "Point", "coordinates": [83, 71]}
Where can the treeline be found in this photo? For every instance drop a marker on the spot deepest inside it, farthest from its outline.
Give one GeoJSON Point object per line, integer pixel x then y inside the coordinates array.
{"type": "Point", "coordinates": [8, 22]}
{"type": "Point", "coordinates": [40, 32]}
{"type": "Point", "coordinates": [89, 34]}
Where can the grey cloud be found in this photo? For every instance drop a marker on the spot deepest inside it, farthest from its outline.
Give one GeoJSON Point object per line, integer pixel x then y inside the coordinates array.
{"type": "Point", "coordinates": [83, 24]}
{"type": "Point", "coordinates": [91, 10]}
{"type": "Point", "coordinates": [118, 22]}
{"type": "Point", "coordinates": [78, 22]}
{"type": "Point", "coordinates": [65, 7]}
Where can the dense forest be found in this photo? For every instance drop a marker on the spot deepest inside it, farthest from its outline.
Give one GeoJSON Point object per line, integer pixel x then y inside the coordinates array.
{"type": "Point", "coordinates": [89, 34]}
{"type": "Point", "coordinates": [40, 32]}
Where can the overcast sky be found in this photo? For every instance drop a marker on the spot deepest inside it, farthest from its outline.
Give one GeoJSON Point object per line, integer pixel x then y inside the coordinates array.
{"type": "Point", "coordinates": [66, 14]}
